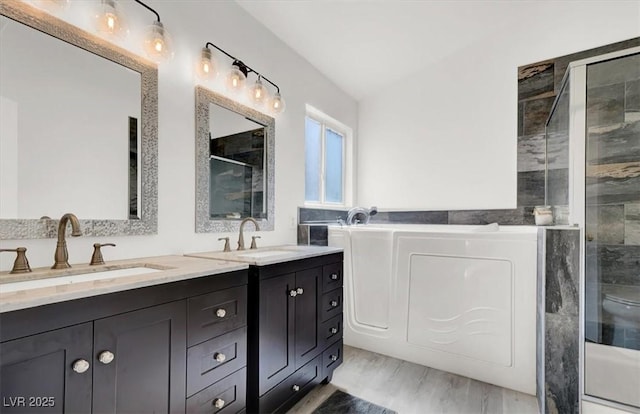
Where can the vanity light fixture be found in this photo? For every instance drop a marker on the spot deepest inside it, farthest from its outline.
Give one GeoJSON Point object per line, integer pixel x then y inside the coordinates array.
{"type": "Point", "coordinates": [157, 41]}
{"type": "Point", "coordinates": [236, 79]}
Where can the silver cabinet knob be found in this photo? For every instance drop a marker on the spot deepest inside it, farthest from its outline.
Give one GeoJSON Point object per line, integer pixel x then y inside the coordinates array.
{"type": "Point", "coordinates": [106, 357]}
{"type": "Point", "coordinates": [334, 276]}
{"type": "Point", "coordinates": [333, 303]}
{"type": "Point", "coordinates": [220, 357]}
{"type": "Point", "coordinates": [219, 403]}
{"type": "Point", "coordinates": [293, 293]}
{"type": "Point", "coordinates": [221, 313]}
{"type": "Point", "coordinates": [333, 357]}
{"type": "Point", "coordinates": [300, 291]}
{"type": "Point", "coordinates": [295, 388]}
{"type": "Point", "coordinates": [333, 330]}
{"type": "Point", "coordinates": [81, 365]}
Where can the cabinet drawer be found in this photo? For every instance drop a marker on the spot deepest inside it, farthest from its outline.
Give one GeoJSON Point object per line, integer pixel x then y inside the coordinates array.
{"type": "Point", "coordinates": [293, 388]}
{"type": "Point", "coordinates": [331, 358]}
{"type": "Point", "coordinates": [224, 397]}
{"type": "Point", "coordinates": [331, 330]}
{"type": "Point", "coordinates": [331, 276]}
{"type": "Point", "coordinates": [213, 360]}
{"type": "Point", "coordinates": [331, 304]}
{"type": "Point", "coordinates": [216, 313]}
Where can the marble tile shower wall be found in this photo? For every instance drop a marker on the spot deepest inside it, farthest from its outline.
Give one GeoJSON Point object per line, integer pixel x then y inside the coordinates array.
{"type": "Point", "coordinates": [613, 172]}
{"type": "Point", "coordinates": [538, 85]}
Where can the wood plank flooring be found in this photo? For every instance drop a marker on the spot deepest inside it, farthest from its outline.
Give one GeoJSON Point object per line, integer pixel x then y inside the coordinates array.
{"type": "Point", "coordinates": [411, 388]}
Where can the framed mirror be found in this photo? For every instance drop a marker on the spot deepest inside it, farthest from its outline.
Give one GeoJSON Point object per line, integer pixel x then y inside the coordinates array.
{"type": "Point", "coordinates": [235, 163]}
{"type": "Point", "coordinates": [78, 130]}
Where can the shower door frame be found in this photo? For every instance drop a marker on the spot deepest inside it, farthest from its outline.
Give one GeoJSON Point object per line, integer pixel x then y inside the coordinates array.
{"type": "Point", "coordinates": [577, 73]}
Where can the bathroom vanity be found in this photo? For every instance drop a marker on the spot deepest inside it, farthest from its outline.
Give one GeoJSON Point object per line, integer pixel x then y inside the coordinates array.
{"type": "Point", "coordinates": [295, 322]}
{"type": "Point", "coordinates": [179, 342]}
{"type": "Point", "coordinates": [193, 335]}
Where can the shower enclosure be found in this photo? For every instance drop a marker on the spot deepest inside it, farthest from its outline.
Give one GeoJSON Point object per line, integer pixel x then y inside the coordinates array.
{"type": "Point", "coordinates": [593, 181]}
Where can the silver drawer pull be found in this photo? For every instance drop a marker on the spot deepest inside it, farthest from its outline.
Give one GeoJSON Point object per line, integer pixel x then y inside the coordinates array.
{"type": "Point", "coordinates": [106, 357]}
{"type": "Point", "coordinates": [334, 357]}
{"type": "Point", "coordinates": [81, 365]}
{"type": "Point", "coordinates": [218, 403]}
{"type": "Point", "coordinates": [334, 330]}
{"type": "Point", "coordinates": [295, 388]}
{"type": "Point", "coordinates": [220, 357]}
{"type": "Point", "coordinates": [333, 303]}
{"type": "Point", "coordinates": [334, 276]}
{"type": "Point", "coordinates": [221, 313]}
{"type": "Point", "coordinates": [300, 291]}
{"type": "Point", "coordinates": [293, 293]}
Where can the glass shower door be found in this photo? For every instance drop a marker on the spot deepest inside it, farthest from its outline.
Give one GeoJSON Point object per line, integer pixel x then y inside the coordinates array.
{"type": "Point", "coordinates": [612, 230]}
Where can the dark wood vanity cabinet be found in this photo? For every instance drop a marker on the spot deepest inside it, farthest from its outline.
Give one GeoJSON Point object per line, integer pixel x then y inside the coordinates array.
{"type": "Point", "coordinates": [172, 348]}
{"type": "Point", "coordinates": [287, 324]}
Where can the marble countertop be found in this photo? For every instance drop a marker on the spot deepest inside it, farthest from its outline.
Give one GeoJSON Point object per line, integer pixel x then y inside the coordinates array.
{"type": "Point", "coordinates": [165, 269]}
{"type": "Point", "coordinates": [269, 255]}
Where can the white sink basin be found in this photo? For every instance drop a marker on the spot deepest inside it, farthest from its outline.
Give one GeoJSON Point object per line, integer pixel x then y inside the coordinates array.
{"type": "Point", "coordinates": [68, 280]}
{"type": "Point", "coordinates": [264, 254]}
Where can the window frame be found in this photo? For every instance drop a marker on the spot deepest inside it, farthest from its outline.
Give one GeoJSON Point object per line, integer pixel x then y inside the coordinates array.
{"type": "Point", "coordinates": [327, 122]}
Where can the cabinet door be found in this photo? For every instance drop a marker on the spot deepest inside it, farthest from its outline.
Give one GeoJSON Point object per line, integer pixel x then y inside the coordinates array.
{"type": "Point", "coordinates": [307, 343]}
{"type": "Point", "coordinates": [37, 375]}
{"type": "Point", "coordinates": [276, 326]}
{"type": "Point", "coordinates": [147, 373]}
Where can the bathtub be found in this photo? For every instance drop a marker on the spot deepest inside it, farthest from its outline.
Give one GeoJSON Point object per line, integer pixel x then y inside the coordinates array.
{"type": "Point", "coordinates": [456, 298]}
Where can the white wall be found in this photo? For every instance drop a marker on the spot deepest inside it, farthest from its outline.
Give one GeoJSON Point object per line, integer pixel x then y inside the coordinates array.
{"type": "Point", "coordinates": [8, 158]}
{"type": "Point", "coordinates": [445, 138]}
{"type": "Point", "coordinates": [192, 23]}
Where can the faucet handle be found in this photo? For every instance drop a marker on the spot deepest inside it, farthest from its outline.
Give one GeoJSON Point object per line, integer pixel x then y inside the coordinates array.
{"type": "Point", "coordinates": [227, 248]}
{"type": "Point", "coordinates": [21, 264]}
{"type": "Point", "coordinates": [96, 258]}
{"type": "Point", "coordinates": [253, 242]}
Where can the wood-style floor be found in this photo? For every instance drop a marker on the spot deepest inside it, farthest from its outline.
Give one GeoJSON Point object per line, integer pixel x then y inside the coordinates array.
{"type": "Point", "coordinates": [411, 388]}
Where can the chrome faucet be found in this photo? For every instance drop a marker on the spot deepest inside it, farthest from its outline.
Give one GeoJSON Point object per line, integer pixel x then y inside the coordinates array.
{"type": "Point", "coordinates": [360, 215]}
{"type": "Point", "coordinates": [242, 223]}
{"type": "Point", "coordinates": [62, 255]}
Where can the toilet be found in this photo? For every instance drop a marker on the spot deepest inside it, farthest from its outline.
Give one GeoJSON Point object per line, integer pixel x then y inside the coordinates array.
{"type": "Point", "coordinates": [622, 303]}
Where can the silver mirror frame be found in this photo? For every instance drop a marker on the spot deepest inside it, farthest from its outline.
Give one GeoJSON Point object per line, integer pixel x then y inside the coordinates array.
{"type": "Point", "coordinates": [204, 224]}
{"type": "Point", "coordinates": [37, 19]}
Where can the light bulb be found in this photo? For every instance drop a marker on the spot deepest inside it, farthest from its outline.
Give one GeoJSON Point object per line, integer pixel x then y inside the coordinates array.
{"type": "Point", "coordinates": [157, 43]}
{"type": "Point", "coordinates": [109, 20]}
{"type": "Point", "coordinates": [277, 104]}
{"type": "Point", "coordinates": [259, 93]}
{"type": "Point", "coordinates": [235, 79]}
{"type": "Point", "coordinates": [206, 68]}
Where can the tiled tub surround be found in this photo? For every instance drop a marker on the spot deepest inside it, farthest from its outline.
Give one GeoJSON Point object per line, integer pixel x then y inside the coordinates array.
{"type": "Point", "coordinates": [557, 354]}
{"type": "Point", "coordinates": [313, 222]}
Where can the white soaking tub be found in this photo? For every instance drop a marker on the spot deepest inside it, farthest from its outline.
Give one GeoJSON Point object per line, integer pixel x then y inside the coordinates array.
{"type": "Point", "coordinates": [457, 298]}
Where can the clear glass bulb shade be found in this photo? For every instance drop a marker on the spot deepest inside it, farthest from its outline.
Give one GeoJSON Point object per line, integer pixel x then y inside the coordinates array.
{"type": "Point", "coordinates": [259, 93]}
{"type": "Point", "coordinates": [51, 5]}
{"type": "Point", "coordinates": [157, 43]}
{"type": "Point", "coordinates": [109, 21]}
{"type": "Point", "coordinates": [206, 66]}
{"type": "Point", "coordinates": [235, 79]}
{"type": "Point", "coordinates": [277, 104]}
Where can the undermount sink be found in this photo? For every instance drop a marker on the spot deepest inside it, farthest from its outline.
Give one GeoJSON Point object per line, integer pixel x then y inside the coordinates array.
{"type": "Point", "coordinates": [78, 278]}
{"type": "Point", "coordinates": [263, 254]}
